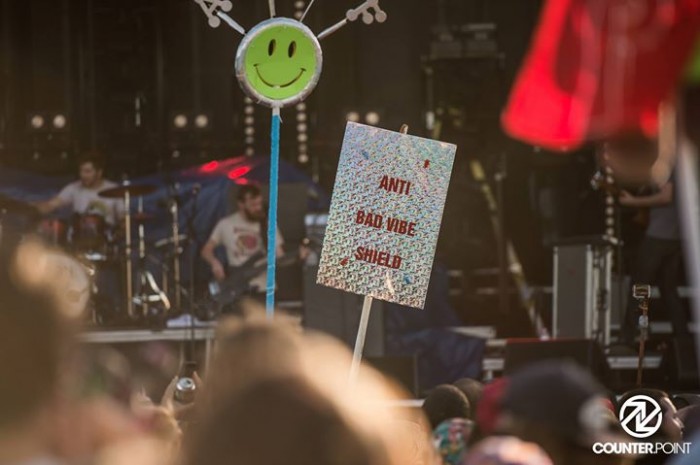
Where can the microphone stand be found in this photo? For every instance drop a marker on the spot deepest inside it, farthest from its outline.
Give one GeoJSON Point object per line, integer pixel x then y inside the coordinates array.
{"type": "Point", "coordinates": [195, 245]}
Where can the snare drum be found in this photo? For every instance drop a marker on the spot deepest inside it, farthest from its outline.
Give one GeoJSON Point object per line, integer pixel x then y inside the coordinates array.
{"type": "Point", "coordinates": [53, 232]}
{"type": "Point", "coordinates": [89, 236]}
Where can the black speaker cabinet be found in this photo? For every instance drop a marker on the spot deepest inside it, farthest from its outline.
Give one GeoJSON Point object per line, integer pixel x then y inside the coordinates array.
{"type": "Point", "coordinates": [338, 314]}
{"type": "Point", "coordinates": [585, 352]}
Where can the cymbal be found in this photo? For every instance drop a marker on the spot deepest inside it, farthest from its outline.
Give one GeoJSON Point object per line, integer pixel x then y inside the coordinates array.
{"type": "Point", "coordinates": [17, 206]}
{"type": "Point", "coordinates": [134, 190]}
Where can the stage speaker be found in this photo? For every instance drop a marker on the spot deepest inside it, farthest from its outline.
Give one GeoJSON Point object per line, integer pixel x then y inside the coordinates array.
{"type": "Point", "coordinates": [401, 369]}
{"type": "Point", "coordinates": [338, 313]}
{"type": "Point", "coordinates": [584, 352]}
{"type": "Point", "coordinates": [680, 363]}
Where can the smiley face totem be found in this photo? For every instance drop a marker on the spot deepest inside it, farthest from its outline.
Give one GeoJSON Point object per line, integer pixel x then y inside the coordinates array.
{"type": "Point", "coordinates": [279, 61]}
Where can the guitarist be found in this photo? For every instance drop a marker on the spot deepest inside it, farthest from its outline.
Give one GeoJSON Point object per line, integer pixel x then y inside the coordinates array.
{"type": "Point", "coordinates": [242, 235]}
{"type": "Point", "coordinates": [659, 255]}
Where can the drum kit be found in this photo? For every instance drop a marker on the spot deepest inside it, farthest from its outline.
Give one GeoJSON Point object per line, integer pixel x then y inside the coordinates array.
{"type": "Point", "coordinates": [107, 251]}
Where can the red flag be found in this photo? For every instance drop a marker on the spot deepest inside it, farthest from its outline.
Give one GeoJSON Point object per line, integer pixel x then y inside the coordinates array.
{"type": "Point", "coordinates": [598, 68]}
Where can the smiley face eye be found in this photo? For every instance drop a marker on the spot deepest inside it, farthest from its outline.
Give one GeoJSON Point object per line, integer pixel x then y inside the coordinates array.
{"type": "Point", "coordinates": [292, 49]}
{"type": "Point", "coordinates": [271, 47]}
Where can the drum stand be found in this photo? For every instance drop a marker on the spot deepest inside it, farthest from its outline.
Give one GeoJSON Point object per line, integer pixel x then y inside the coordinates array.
{"type": "Point", "coordinates": [127, 253]}
{"type": "Point", "coordinates": [177, 284]}
{"type": "Point", "coordinates": [148, 292]}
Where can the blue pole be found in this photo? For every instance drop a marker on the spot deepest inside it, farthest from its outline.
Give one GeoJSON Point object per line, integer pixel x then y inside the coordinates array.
{"type": "Point", "coordinates": [272, 213]}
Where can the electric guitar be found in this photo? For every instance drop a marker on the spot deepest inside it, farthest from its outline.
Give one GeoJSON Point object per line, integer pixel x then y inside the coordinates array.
{"type": "Point", "coordinates": [237, 280]}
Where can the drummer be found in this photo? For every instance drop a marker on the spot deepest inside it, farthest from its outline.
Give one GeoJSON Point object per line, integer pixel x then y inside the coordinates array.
{"type": "Point", "coordinates": [82, 195]}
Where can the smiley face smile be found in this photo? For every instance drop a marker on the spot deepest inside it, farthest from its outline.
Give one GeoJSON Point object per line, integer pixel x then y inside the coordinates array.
{"type": "Point", "coordinates": [282, 86]}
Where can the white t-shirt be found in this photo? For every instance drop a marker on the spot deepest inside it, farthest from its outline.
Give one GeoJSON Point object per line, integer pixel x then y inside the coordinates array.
{"type": "Point", "coordinates": [86, 200]}
{"type": "Point", "coordinates": [242, 239]}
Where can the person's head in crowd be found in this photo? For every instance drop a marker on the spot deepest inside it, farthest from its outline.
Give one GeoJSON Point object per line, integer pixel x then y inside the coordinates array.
{"type": "Point", "coordinates": [451, 439]}
{"type": "Point", "coordinates": [34, 341]}
{"type": "Point", "coordinates": [282, 421]}
{"type": "Point", "coordinates": [444, 402]}
{"type": "Point", "coordinates": [489, 408]}
{"type": "Point", "coordinates": [671, 426]}
{"type": "Point", "coordinates": [473, 389]}
{"type": "Point", "coordinates": [317, 366]}
{"type": "Point", "coordinates": [248, 350]}
{"type": "Point", "coordinates": [250, 202]}
{"type": "Point", "coordinates": [690, 417]}
{"type": "Point", "coordinates": [506, 450]}
{"type": "Point", "coordinates": [561, 407]}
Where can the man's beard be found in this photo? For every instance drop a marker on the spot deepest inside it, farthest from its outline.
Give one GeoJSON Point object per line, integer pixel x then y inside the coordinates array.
{"type": "Point", "coordinates": [255, 217]}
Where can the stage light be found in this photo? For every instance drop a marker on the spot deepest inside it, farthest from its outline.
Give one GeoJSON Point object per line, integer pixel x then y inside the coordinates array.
{"type": "Point", "coordinates": [303, 158]}
{"type": "Point", "coordinates": [59, 121]}
{"type": "Point", "coordinates": [301, 117]}
{"type": "Point", "coordinates": [249, 110]}
{"type": "Point", "coordinates": [299, 4]}
{"type": "Point", "coordinates": [175, 154]}
{"type": "Point", "coordinates": [201, 121]}
{"type": "Point", "coordinates": [37, 121]}
{"type": "Point", "coordinates": [372, 118]}
{"type": "Point", "coordinates": [249, 131]}
{"type": "Point", "coordinates": [248, 120]}
{"type": "Point", "coordinates": [209, 167]}
{"type": "Point", "coordinates": [249, 140]}
{"type": "Point", "coordinates": [180, 121]}
{"type": "Point", "coordinates": [303, 148]}
{"type": "Point", "coordinates": [353, 116]}
{"type": "Point", "coordinates": [301, 106]}
{"type": "Point", "coordinates": [249, 151]}
{"type": "Point", "coordinates": [301, 127]}
{"type": "Point", "coordinates": [302, 137]}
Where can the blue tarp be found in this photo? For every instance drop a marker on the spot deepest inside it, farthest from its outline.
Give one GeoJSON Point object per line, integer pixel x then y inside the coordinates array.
{"type": "Point", "coordinates": [442, 356]}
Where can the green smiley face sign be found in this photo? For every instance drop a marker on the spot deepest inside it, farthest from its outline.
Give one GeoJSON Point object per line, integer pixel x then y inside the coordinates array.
{"type": "Point", "coordinates": [279, 62]}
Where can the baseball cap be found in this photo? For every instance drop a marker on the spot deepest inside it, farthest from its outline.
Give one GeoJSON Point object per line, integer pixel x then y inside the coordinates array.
{"type": "Point", "coordinates": [564, 398]}
{"type": "Point", "coordinates": [489, 408]}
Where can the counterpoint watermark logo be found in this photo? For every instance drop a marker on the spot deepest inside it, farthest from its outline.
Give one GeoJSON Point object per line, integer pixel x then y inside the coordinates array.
{"type": "Point", "coordinates": [641, 416]}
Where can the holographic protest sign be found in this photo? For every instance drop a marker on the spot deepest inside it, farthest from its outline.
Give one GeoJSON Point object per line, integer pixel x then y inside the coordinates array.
{"type": "Point", "coordinates": [385, 214]}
